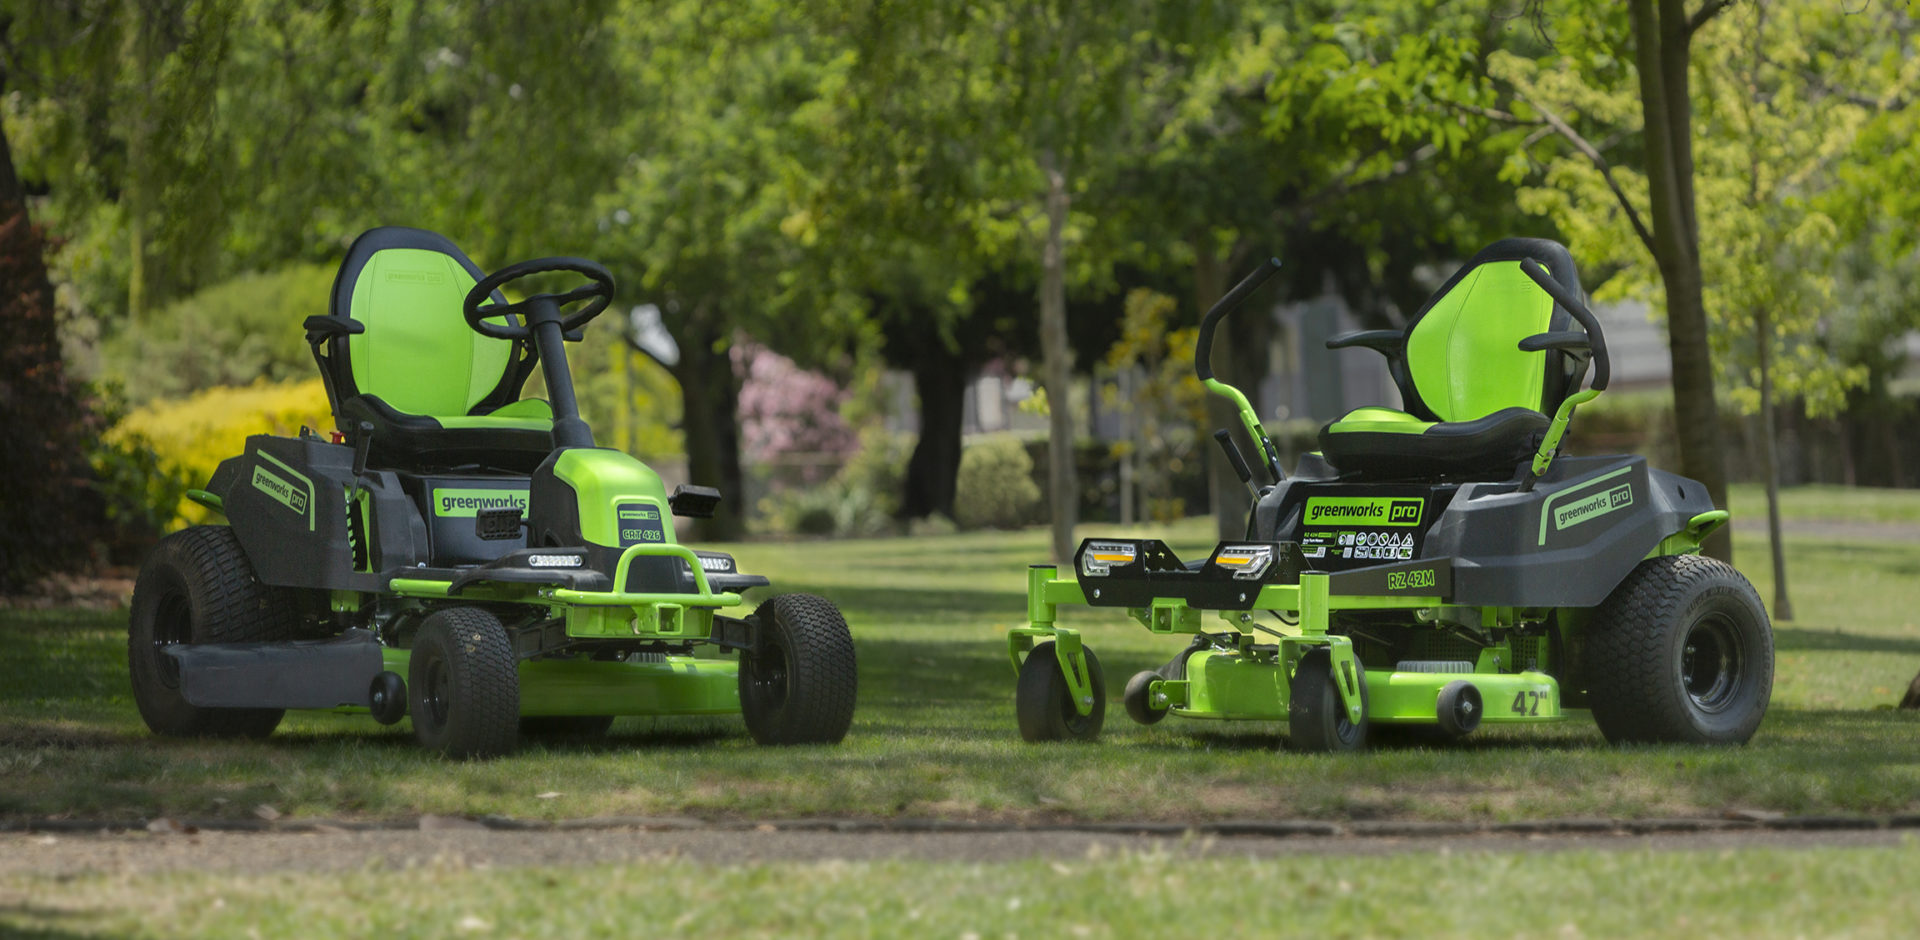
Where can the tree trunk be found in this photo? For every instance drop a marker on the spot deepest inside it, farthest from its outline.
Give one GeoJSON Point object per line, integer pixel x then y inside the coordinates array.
{"type": "Point", "coordinates": [934, 469]}
{"type": "Point", "coordinates": [1661, 53]}
{"type": "Point", "coordinates": [1063, 484]}
{"type": "Point", "coordinates": [710, 398]}
{"type": "Point", "coordinates": [51, 511]}
{"type": "Point", "coordinates": [1782, 607]}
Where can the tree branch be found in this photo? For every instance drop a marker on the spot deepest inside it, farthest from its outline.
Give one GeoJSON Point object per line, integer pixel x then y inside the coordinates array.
{"type": "Point", "coordinates": [1599, 162]}
{"type": "Point", "coordinates": [1492, 114]}
{"type": "Point", "coordinates": [1345, 184]}
{"type": "Point", "coordinates": [1708, 11]}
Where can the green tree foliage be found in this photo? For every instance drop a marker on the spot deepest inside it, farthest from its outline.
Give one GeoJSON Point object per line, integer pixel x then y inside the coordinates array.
{"type": "Point", "coordinates": [1163, 401]}
{"type": "Point", "coordinates": [710, 212]}
{"type": "Point", "coordinates": [1785, 95]}
{"type": "Point", "coordinates": [1612, 101]}
{"type": "Point", "coordinates": [229, 334]}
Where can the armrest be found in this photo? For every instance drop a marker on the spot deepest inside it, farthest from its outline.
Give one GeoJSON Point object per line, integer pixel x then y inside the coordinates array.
{"type": "Point", "coordinates": [1384, 342]}
{"type": "Point", "coordinates": [322, 328]}
{"type": "Point", "coordinates": [1563, 340]}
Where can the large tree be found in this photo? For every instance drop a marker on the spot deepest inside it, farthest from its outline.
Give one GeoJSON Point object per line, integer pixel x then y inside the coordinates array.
{"type": "Point", "coordinates": [1620, 74]}
{"type": "Point", "coordinates": [45, 431]}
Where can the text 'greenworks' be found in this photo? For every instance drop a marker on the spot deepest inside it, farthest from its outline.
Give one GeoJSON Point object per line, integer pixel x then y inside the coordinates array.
{"type": "Point", "coordinates": [1364, 510]}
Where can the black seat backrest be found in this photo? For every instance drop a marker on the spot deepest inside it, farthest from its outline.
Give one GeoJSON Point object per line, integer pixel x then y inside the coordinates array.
{"type": "Point", "coordinates": [1461, 358]}
{"type": "Point", "coordinates": [416, 353]}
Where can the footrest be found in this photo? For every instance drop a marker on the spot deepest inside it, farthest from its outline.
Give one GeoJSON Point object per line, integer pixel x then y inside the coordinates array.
{"type": "Point", "coordinates": [296, 674]}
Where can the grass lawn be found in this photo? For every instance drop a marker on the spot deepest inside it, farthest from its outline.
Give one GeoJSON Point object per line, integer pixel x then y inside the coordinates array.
{"type": "Point", "coordinates": [935, 736]}
{"type": "Point", "coordinates": [1824, 892]}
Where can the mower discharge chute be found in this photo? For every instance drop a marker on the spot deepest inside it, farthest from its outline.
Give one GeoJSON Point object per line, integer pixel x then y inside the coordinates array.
{"type": "Point", "coordinates": [458, 553]}
{"type": "Point", "coordinates": [1440, 565]}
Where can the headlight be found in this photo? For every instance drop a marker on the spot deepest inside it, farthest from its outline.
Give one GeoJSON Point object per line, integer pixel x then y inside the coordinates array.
{"type": "Point", "coordinates": [555, 561]}
{"type": "Point", "coordinates": [1247, 562]}
{"type": "Point", "coordinates": [1100, 557]}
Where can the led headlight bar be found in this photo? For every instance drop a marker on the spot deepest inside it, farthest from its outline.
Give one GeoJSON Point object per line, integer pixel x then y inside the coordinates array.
{"type": "Point", "coordinates": [1100, 557]}
{"type": "Point", "coordinates": [1247, 562]}
{"type": "Point", "coordinates": [555, 561]}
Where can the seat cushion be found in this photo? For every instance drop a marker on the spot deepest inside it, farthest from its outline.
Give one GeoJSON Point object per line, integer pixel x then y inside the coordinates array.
{"type": "Point", "coordinates": [531, 414]}
{"type": "Point", "coordinates": [1379, 420]}
{"type": "Point", "coordinates": [1381, 443]}
{"type": "Point", "coordinates": [514, 438]}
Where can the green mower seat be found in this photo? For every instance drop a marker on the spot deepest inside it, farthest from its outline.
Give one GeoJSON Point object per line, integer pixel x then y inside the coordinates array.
{"type": "Point", "coordinates": [1473, 402]}
{"type": "Point", "coordinates": [397, 354]}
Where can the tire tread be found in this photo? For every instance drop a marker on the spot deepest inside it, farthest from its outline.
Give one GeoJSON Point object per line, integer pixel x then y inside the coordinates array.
{"type": "Point", "coordinates": [1630, 691]}
{"type": "Point", "coordinates": [822, 684]}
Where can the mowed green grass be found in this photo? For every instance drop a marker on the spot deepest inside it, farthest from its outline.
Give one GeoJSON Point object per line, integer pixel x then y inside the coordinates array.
{"type": "Point", "coordinates": [934, 734]}
{"type": "Point", "coordinates": [1753, 893]}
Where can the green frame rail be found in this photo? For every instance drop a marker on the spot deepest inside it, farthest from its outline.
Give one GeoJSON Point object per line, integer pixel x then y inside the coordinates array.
{"type": "Point", "coordinates": [1250, 684]}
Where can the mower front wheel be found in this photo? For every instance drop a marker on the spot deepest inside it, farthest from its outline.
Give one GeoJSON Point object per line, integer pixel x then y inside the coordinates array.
{"type": "Point", "coordinates": [1316, 718]}
{"type": "Point", "coordinates": [798, 686]}
{"type": "Point", "coordinates": [1044, 704]}
{"type": "Point", "coordinates": [463, 684]}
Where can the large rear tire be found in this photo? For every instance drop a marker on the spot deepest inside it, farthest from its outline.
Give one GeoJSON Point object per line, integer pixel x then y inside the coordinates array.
{"type": "Point", "coordinates": [799, 686]}
{"type": "Point", "coordinates": [463, 684]}
{"type": "Point", "coordinates": [198, 587]}
{"type": "Point", "coordinates": [1680, 653]}
{"type": "Point", "coordinates": [1044, 705]}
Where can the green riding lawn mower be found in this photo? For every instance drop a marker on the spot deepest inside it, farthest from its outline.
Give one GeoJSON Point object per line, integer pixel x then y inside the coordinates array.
{"type": "Point", "coordinates": [462, 555]}
{"type": "Point", "coordinates": [1439, 567]}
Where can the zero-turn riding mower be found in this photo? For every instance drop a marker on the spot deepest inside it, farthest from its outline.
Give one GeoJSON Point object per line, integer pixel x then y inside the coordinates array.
{"type": "Point", "coordinates": [459, 554]}
{"type": "Point", "coordinates": [1440, 565]}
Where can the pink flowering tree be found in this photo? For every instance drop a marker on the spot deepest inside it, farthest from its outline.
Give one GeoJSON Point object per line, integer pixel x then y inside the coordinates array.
{"type": "Point", "coordinates": [790, 417]}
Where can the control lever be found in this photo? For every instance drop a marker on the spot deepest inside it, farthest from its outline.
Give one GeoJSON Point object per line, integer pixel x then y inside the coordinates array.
{"type": "Point", "coordinates": [1237, 460]}
{"type": "Point", "coordinates": [362, 442]}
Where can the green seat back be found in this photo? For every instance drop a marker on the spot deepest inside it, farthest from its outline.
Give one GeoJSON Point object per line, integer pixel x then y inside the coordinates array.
{"type": "Point", "coordinates": [1463, 354]}
{"type": "Point", "coordinates": [417, 353]}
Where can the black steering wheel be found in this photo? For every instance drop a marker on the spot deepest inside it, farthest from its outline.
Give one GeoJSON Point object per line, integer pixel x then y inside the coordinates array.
{"type": "Point", "coordinates": [597, 293]}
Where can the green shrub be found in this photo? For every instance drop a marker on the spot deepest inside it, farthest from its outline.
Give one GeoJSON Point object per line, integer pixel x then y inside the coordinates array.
{"type": "Point", "coordinates": [141, 493]}
{"type": "Point", "coordinates": [995, 488]}
{"type": "Point", "coordinates": [858, 500]}
{"type": "Point", "coordinates": [234, 333]}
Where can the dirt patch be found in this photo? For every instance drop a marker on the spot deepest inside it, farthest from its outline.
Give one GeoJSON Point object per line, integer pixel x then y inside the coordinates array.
{"type": "Point", "coordinates": [57, 735]}
{"type": "Point", "coordinates": [112, 590]}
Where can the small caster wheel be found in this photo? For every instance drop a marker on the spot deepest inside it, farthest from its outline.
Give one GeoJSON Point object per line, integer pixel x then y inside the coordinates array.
{"type": "Point", "coordinates": [1044, 705]}
{"type": "Point", "coordinates": [1139, 701]}
{"type": "Point", "coordinates": [388, 698]}
{"type": "Point", "coordinates": [1459, 708]}
{"type": "Point", "coordinates": [1316, 720]}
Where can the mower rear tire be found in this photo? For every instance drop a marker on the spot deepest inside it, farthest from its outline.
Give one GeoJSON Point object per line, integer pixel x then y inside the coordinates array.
{"type": "Point", "coordinates": [1316, 719]}
{"type": "Point", "coordinates": [799, 685]}
{"type": "Point", "coordinates": [463, 684]}
{"type": "Point", "coordinates": [1043, 703]}
{"type": "Point", "coordinates": [1139, 701]}
{"type": "Point", "coordinates": [198, 587]}
{"type": "Point", "coordinates": [1680, 653]}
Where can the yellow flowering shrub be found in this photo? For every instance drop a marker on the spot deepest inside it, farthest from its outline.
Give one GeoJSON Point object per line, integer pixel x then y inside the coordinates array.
{"type": "Point", "coordinates": [188, 437]}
